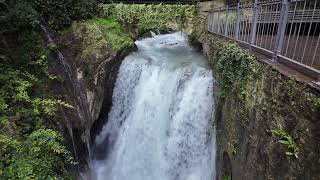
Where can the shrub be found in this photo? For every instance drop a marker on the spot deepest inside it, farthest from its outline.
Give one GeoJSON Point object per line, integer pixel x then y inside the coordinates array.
{"type": "Point", "coordinates": [59, 14]}
{"type": "Point", "coordinates": [40, 156]}
{"type": "Point", "coordinates": [29, 147]}
{"type": "Point", "coordinates": [234, 67]}
{"type": "Point", "coordinates": [147, 17]}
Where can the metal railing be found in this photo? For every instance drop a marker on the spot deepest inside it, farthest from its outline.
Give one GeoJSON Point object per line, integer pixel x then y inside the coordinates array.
{"type": "Point", "coordinates": [286, 30]}
{"type": "Point", "coordinates": [153, 1]}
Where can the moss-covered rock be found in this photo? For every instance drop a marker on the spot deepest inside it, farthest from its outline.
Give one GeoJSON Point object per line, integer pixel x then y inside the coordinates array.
{"type": "Point", "coordinates": [92, 42]}
{"type": "Point", "coordinates": [98, 38]}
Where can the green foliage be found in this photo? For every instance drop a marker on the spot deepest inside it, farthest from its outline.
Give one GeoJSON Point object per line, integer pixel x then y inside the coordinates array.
{"type": "Point", "coordinates": [314, 100]}
{"type": "Point", "coordinates": [55, 12]}
{"type": "Point", "coordinates": [59, 13]}
{"type": "Point", "coordinates": [21, 15]}
{"type": "Point", "coordinates": [40, 156]}
{"type": "Point", "coordinates": [29, 147]}
{"type": "Point", "coordinates": [288, 140]}
{"type": "Point", "coordinates": [234, 67]}
{"type": "Point", "coordinates": [226, 177]}
{"type": "Point", "coordinates": [83, 9]}
{"type": "Point", "coordinates": [114, 33]}
{"type": "Point", "coordinates": [233, 146]}
{"type": "Point", "coordinates": [25, 72]}
{"type": "Point", "coordinates": [147, 17]}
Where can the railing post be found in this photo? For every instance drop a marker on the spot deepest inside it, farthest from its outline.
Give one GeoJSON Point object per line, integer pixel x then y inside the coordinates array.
{"type": "Point", "coordinates": [213, 25]}
{"type": "Point", "coordinates": [226, 26]}
{"type": "Point", "coordinates": [209, 21]}
{"type": "Point", "coordinates": [238, 21]}
{"type": "Point", "coordinates": [254, 23]}
{"type": "Point", "coordinates": [218, 21]}
{"type": "Point", "coordinates": [281, 29]}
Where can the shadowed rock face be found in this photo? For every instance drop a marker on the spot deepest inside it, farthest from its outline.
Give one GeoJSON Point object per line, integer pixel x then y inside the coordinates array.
{"type": "Point", "coordinates": [94, 65]}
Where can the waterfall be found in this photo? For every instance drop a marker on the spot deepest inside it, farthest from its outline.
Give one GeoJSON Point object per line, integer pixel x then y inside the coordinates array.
{"type": "Point", "coordinates": [158, 126]}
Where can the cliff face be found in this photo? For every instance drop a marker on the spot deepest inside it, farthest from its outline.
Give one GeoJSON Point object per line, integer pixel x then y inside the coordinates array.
{"type": "Point", "coordinates": [94, 50]}
{"type": "Point", "coordinates": [268, 124]}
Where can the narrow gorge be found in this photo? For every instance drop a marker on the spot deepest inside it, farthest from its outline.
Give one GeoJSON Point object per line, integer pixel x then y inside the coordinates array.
{"type": "Point", "coordinates": [117, 91]}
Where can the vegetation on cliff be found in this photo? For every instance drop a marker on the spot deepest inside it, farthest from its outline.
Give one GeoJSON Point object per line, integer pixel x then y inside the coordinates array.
{"type": "Point", "coordinates": [92, 42]}
{"type": "Point", "coordinates": [98, 37]}
{"type": "Point", "coordinates": [147, 17]}
{"type": "Point", "coordinates": [31, 146]}
{"type": "Point", "coordinates": [265, 119]}
{"type": "Point", "coordinates": [236, 70]}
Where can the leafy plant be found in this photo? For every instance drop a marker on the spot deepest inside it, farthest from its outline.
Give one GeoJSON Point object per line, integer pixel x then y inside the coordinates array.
{"type": "Point", "coordinates": [40, 156]}
{"type": "Point", "coordinates": [226, 177]}
{"type": "Point", "coordinates": [22, 15]}
{"type": "Point", "coordinates": [233, 68]}
{"type": "Point", "coordinates": [313, 99]}
{"type": "Point", "coordinates": [233, 146]}
{"type": "Point", "coordinates": [288, 140]}
{"type": "Point", "coordinates": [30, 148]}
{"type": "Point", "coordinates": [59, 14]}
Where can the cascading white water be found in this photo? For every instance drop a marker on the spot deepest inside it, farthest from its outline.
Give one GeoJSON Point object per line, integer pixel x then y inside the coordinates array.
{"type": "Point", "coordinates": [158, 127]}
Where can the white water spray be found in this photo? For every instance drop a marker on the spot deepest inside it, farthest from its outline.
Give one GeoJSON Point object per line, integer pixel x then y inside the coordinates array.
{"type": "Point", "coordinates": [158, 127]}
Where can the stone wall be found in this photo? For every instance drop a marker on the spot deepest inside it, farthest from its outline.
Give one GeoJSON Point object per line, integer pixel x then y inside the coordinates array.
{"type": "Point", "coordinates": [250, 115]}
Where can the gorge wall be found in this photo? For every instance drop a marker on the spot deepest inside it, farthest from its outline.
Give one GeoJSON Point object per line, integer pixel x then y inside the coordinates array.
{"type": "Point", "coordinates": [258, 106]}
{"type": "Point", "coordinates": [268, 124]}
{"type": "Point", "coordinates": [94, 50]}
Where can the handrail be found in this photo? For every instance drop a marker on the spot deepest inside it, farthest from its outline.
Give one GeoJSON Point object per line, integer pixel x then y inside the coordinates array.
{"type": "Point", "coordinates": [289, 29]}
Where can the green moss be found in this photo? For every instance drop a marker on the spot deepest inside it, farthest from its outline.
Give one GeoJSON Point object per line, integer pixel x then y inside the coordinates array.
{"type": "Point", "coordinates": [114, 33]}
{"type": "Point", "coordinates": [97, 39]}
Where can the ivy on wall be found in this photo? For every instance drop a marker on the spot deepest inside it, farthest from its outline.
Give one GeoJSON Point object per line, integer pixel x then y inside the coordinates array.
{"type": "Point", "coordinates": [234, 67]}
{"type": "Point", "coordinates": [248, 85]}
